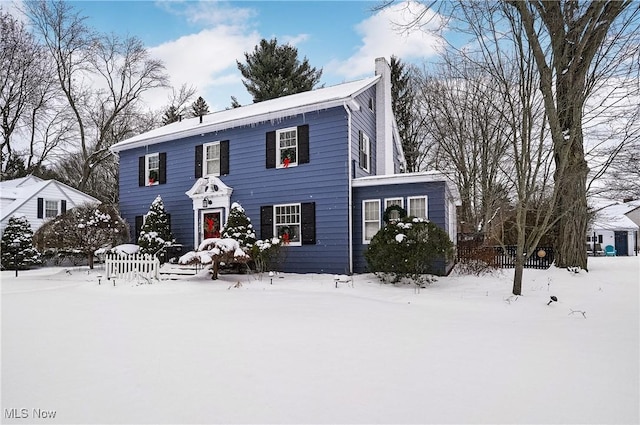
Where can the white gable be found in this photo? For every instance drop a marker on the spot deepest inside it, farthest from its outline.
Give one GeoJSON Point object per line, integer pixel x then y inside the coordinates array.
{"type": "Point", "coordinates": [20, 197]}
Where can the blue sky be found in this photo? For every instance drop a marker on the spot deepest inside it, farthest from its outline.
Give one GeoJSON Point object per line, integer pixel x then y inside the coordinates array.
{"type": "Point", "coordinates": [199, 42]}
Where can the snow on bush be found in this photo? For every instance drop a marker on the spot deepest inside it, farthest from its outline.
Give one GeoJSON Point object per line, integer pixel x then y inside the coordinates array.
{"type": "Point", "coordinates": [17, 244]}
{"type": "Point", "coordinates": [215, 251]}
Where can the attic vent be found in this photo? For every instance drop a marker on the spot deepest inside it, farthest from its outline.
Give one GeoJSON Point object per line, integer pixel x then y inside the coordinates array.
{"type": "Point", "coordinates": [371, 104]}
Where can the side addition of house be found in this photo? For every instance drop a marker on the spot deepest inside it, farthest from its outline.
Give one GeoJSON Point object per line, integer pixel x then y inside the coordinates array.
{"type": "Point", "coordinates": [317, 169]}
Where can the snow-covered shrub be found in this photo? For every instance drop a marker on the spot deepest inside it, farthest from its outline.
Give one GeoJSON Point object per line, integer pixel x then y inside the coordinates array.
{"type": "Point", "coordinates": [239, 227]}
{"type": "Point", "coordinates": [24, 255]}
{"type": "Point", "coordinates": [409, 248]}
{"type": "Point", "coordinates": [215, 251]}
{"type": "Point", "coordinates": [83, 229]}
{"type": "Point", "coordinates": [266, 253]}
{"type": "Point", "coordinates": [155, 233]}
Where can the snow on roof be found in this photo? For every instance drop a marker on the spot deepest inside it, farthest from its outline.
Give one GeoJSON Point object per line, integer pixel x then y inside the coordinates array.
{"type": "Point", "coordinates": [613, 217]}
{"type": "Point", "coordinates": [402, 178]}
{"type": "Point", "coordinates": [21, 190]}
{"type": "Point", "coordinates": [268, 110]}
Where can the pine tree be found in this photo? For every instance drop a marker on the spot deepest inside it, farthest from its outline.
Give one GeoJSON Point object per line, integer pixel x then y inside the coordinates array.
{"type": "Point", "coordinates": [171, 115]}
{"type": "Point", "coordinates": [18, 231]}
{"type": "Point", "coordinates": [273, 71]}
{"type": "Point", "coordinates": [402, 103]}
{"type": "Point", "coordinates": [239, 227]}
{"type": "Point", "coordinates": [156, 230]}
{"type": "Point", "coordinates": [199, 108]}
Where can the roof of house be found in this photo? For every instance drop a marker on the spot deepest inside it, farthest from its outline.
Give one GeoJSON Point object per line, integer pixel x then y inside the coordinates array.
{"type": "Point", "coordinates": [20, 190]}
{"type": "Point", "coordinates": [613, 217]}
{"type": "Point", "coordinates": [268, 110]}
{"type": "Point", "coordinates": [403, 178]}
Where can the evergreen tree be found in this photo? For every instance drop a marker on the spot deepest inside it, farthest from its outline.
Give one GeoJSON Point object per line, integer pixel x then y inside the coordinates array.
{"type": "Point", "coordinates": [18, 231]}
{"type": "Point", "coordinates": [171, 115]}
{"type": "Point", "coordinates": [199, 108]}
{"type": "Point", "coordinates": [273, 71]}
{"type": "Point", "coordinates": [239, 227]}
{"type": "Point", "coordinates": [408, 248]}
{"type": "Point", "coordinates": [235, 103]}
{"type": "Point", "coordinates": [156, 230]}
{"type": "Point", "coordinates": [402, 103]}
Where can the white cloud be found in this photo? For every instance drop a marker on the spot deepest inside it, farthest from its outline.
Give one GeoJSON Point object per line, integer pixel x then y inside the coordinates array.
{"type": "Point", "coordinates": [385, 34]}
{"type": "Point", "coordinates": [205, 60]}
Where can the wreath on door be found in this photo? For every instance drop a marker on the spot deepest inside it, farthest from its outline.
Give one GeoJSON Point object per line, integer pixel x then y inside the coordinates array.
{"type": "Point", "coordinates": [402, 213]}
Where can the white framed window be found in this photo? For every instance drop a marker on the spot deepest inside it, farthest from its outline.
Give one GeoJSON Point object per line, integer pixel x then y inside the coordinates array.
{"type": "Point", "coordinates": [152, 168]}
{"type": "Point", "coordinates": [211, 159]}
{"type": "Point", "coordinates": [51, 208]}
{"type": "Point", "coordinates": [370, 219]}
{"type": "Point", "coordinates": [364, 148]}
{"type": "Point", "coordinates": [394, 215]}
{"type": "Point", "coordinates": [418, 206]}
{"type": "Point", "coordinates": [287, 147]}
{"type": "Point", "coordinates": [287, 223]}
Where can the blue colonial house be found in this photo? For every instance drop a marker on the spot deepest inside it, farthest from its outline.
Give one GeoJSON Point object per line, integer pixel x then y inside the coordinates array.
{"type": "Point", "coordinates": [317, 168]}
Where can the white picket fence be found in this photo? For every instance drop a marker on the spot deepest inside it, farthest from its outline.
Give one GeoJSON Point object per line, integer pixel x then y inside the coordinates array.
{"type": "Point", "coordinates": [132, 266]}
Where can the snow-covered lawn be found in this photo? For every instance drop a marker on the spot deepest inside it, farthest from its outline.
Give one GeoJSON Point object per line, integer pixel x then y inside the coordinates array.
{"type": "Point", "coordinates": [303, 351]}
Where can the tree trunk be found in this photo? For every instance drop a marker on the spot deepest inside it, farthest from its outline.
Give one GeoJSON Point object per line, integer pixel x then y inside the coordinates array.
{"type": "Point", "coordinates": [519, 272]}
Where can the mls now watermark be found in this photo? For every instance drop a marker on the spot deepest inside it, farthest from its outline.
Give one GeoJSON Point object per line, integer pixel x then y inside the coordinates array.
{"type": "Point", "coordinates": [29, 414]}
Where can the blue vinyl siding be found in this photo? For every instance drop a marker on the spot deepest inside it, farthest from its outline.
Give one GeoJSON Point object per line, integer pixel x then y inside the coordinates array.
{"type": "Point", "coordinates": [364, 120]}
{"type": "Point", "coordinates": [324, 180]}
{"type": "Point", "coordinates": [435, 191]}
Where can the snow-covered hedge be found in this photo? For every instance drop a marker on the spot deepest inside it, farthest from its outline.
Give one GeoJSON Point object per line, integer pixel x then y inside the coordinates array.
{"type": "Point", "coordinates": [215, 251]}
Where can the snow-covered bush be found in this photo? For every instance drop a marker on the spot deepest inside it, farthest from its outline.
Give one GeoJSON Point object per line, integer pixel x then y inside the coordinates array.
{"type": "Point", "coordinates": [24, 255]}
{"type": "Point", "coordinates": [239, 227]}
{"type": "Point", "coordinates": [215, 251]}
{"type": "Point", "coordinates": [155, 233]}
{"type": "Point", "coordinates": [266, 253]}
{"type": "Point", "coordinates": [83, 229]}
{"type": "Point", "coordinates": [409, 248]}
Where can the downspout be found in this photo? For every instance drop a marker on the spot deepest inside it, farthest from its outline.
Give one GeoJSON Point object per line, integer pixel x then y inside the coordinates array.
{"type": "Point", "coordinates": [350, 189]}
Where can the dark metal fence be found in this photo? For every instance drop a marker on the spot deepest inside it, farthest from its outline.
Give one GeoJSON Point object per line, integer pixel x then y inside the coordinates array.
{"type": "Point", "coordinates": [497, 256]}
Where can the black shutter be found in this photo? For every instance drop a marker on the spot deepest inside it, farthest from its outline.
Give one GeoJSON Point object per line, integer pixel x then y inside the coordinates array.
{"type": "Point", "coordinates": [162, 172]}
{"type": "Point", "coordinates": [271, 149]}
{"type": "Point", "coordinates": [266, 222]}
{"type": "Point", "coordinates": [138, 227]}
{"type": "Point", "coordinates": [198, 163]}
{"type": "Point", "coordinates": [224, 157]}
{"type": "Point", "coordinates": [40, 208]}
{"type": "Point", "coordinates": [63, 206]}
{"type": "Point", "coordinates": [303, 144]}
{"type": "Point", "coordinates": [308, 213]}
{"type": "Point", "coordinates": [141, 177]}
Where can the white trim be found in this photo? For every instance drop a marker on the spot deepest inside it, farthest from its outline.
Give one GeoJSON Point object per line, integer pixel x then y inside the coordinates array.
{"type": "Point", "coordinates": [299, 224]}
{"type": "Point", "coordinates": [398, 198]}
{"type": "Point", "coordinates": [147, 169]}
{"type": "Point", "coordinates": [351, 170]}
{"type": "Point", "coordinates": [205, 159]}
{"type": "Point", "coordinates": [200, 233]}
{"type": "Point", "coordinates": [279, 163]}
{"type": "Point", "coordinates": [366, 144]}
{"type": "Point", "coordinates": [364, 220]}
{"type": "Point", "coordinates": [426, 204]}
{"type": "Point", "coordinates": [44, 208]}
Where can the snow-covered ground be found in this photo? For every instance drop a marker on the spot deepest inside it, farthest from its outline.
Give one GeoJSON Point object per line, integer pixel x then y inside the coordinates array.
{"type": "Point", "coordinates": [301, 350]}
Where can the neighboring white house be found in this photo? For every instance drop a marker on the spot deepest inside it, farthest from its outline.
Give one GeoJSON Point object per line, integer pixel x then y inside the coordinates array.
{"type": "Point", "coordinates": [614, 226]}
{"type": "Point", "coordinates": [37, 199]}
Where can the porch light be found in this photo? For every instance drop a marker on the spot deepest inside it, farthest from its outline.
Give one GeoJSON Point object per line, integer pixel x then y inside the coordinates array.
{"type": "Point", "coordinates": [205, 202]}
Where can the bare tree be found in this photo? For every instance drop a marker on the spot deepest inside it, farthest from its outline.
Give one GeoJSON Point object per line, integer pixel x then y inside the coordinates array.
{"type": "Point", "coordinates": [578, 47]}
{"type": "Point", "coordinates": [102, 77]}
{"type": "Point", "coordinates": [575, 45]}
{"type": "Point", "coordinates": [24, 81]}
{"type": "Point", "coordinates": [461, 105]}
